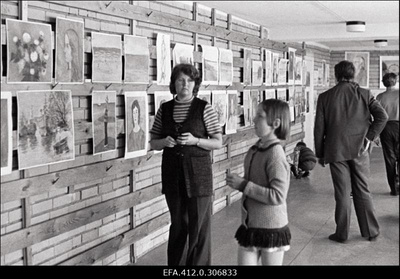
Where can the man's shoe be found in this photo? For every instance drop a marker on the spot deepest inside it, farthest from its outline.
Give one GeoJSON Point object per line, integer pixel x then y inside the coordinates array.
{"type": "Point", "coordinates": [373, 238]}
{"type": "Point", "coordinates": [333, 237]}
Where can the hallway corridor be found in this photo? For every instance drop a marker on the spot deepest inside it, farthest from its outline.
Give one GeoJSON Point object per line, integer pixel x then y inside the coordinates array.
{"type": "Point", "coordinates": [311, 220]}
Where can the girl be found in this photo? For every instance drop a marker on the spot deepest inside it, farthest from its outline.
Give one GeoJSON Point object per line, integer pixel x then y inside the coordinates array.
{"type": "Point", "coordinates": [264, 232]}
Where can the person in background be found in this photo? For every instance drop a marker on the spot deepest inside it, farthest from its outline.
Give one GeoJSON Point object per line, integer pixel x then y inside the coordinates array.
{"type": "Point", "coordinates": [264, 233]}
{"type": "Point", "coordinates": [343, 132]}
{"type": "Point", "coordinates": [389, 137]}
{"type": "Point", "coordinates": [303, 162]}
{"type": "Point", "coordinates": [187, 129]}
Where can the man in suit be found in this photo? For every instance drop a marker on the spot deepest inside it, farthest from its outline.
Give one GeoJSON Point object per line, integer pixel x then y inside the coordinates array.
{"type": "Point", "coordinates": [343, 132]}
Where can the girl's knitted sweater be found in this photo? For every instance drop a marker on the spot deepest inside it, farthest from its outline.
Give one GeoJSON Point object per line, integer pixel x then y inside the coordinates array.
{"type": "Point", "coordinates": [264, 196]}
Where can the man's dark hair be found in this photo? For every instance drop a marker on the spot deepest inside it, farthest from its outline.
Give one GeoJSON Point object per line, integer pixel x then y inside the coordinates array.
{"type": "Point", "coordinates": [389, 79]}
{"type": "Point", "coordinates": [344, 70]}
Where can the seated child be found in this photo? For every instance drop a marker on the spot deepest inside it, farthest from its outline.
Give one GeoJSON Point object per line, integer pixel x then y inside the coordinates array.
{"type": "Point", "coordinates": [304, 160]}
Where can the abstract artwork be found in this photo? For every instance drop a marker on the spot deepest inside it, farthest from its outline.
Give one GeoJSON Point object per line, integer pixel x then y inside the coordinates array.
{"type": "Point", "coordinates": [45, 128]}
{"type": "Point", "coordinates": [298, 70]}
{"type": "Point", "coordinates": [69, 51]}
{"type": "Point", "coordinates": [291, 64]}
{"type": "Point", "coordinates": [136, 59]}
{"type": "Point", "coordinates": [182, 54]}
{"type": "Point", "coordinates": [204, 95]}
{"type": "Point", "coordinates": [231, 121]}
{"type": "Point", "coordinates": [136, 124]}
{"type": "Point", "coordinates": [219, 104]}
{"type": "Point", "coordinates": [361, 64]}
{"type": "Point", "coordinates": [163, 59]}
{"type": "Point", "coordinates": [161, 97]}
{"type": "Point", "coordinates": [6, 133]}
{"type": "Point", "coordinates": [29, 52]}
{"type": "Point", "coordinates": [225, 66]}
{"type": "Point", "coordinates": [257, 73]}
{"type": "Point", "coordinates": [275, 68]}
{"type": "Point", "coordinates": [210, 65]}
{"type": "Point", "coordinates": [107, 58]}
{"type": "Point", "coordinates": [104, 121]}
{"type": "Point", "coordinates": [246, 66]}
{"type": "Point", "coordinates": [388, 64]}
{"type": "Point", "coordinates": [282, 71]}
{"type": "Point", "coordinates": [268, 68]}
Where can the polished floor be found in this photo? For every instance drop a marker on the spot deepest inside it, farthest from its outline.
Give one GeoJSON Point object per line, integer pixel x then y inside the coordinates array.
{"type": "Point", "coordinates": [311, 220]}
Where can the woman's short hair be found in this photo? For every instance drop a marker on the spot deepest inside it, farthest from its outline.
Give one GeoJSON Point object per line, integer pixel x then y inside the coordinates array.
{"type": "Point", "coordinates": [278, 109]}
{"type": "Point", "coordinates": [189, 70]}
{"type": "Point", "coordinates": [344, 70]}
{"type": "Point", "coordinates": [135, 103]}
{"type": "Point", "coordinates": [389, 79]}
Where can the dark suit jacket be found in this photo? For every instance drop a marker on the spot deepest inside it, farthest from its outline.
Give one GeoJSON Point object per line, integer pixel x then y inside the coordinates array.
{"type": "Point", "coordinates": [343, 121]}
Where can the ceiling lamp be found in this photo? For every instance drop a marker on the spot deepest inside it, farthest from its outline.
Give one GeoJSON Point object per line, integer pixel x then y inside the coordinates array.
{"type": "Point", "coordinates": [355, 26]}
{"type": "Point", "coordinates": [380, 43]}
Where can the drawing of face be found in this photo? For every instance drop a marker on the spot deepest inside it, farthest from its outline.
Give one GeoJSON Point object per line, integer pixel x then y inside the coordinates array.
{"type": "Point", "coordinates": [358, 62]}
{"type": "Point", "coordinates": [135, 116]}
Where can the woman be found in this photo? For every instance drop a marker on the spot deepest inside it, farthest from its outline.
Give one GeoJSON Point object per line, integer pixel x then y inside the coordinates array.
{"type": "Point", "coordinates": [137, 136]}
{"type": "Point", "coordinates": [186, 128]}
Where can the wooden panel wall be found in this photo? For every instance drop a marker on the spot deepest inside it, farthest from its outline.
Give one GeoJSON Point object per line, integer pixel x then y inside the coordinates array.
{"type": "Point", "coordinates": [103, 209]}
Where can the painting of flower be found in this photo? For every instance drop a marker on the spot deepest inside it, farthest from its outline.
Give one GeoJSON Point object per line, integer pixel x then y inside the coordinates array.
{"type": "Point", "coordinates": [29, 51]}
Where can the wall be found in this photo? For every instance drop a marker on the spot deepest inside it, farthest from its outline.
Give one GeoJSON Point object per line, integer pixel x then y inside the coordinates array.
{"type": "Point", "coordinates": [103, 209]}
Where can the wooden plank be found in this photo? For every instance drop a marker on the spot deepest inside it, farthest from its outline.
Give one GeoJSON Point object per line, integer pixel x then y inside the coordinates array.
{"type": "Point", "coordinates": [117, 243]}
{"type": "Point", "coordinates": [48, 229]}
{"type": "Point", "coordinates": [23, 10]}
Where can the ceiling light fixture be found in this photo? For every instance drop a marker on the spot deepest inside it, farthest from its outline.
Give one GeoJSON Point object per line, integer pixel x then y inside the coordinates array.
{"type": "Point", "coordinates": [355, 26]}
{"type": "Point", "coordinates": [380, 43]}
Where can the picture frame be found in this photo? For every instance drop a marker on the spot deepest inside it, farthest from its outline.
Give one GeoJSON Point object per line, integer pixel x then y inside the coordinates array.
{"type": "Point", "coordinates": [361, 63]}
{"type": "Point", "coordinates": [388, 64]}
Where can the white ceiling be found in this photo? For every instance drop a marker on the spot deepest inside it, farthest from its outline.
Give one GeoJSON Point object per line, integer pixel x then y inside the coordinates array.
{"type": "Point", "coordinates": [322, 23]}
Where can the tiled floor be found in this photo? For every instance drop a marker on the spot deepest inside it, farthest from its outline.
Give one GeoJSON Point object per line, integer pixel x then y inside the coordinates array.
{"type": "Point", "coordinates": [311, 208]}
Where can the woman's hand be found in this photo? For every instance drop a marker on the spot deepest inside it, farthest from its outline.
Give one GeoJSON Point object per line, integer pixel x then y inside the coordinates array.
{"type": "Point", "coordinates": [235, 181]}
{"type": "Point", "coordinates": [169, 142]}
{"type": "Point", "coordinates": [187, 139]}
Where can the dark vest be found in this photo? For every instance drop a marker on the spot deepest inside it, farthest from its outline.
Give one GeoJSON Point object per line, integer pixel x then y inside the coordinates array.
{"type": "Point", "coordinates": [189, 163]}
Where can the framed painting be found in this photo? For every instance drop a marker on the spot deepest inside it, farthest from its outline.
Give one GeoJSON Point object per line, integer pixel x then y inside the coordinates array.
{"type": "Point", "coordinates": [107, 58]}
{"type": "Point", "coordinates": [137, 59]}
{"type": "Point", "coordinates": [205, 95]}
{"type": "Point", "coordinates": [388, 64]}
{"type": "Point", "coordinates": [69, 51]}
{"type": "Point", "coordinates": [29, 52]}
{"type": "Point", "coordinates": [361, 64]}
{"type": "Point", "coordinates": [282, 71]}
{"type": "Point", "coordinates": [225, 66]}
{"type": "Point", "coordinates": [6, 133]}
{"type": "Point", "coordinates": [268, 68]}
{"type": "Point", "coordinates": [231, 121]}
{"type": "Point", "coordinates": [219, 104]}
{"type": "Point", "coordinates": [291, 54]}
{"type": "Point", "coordinates": [182, 54]}
{"type": "Point", "coordinates": [275, 68]}
{"type": "Point", "coordinates": [136, 124]}
{"type": "Point", "coordinates": [247, 66]}
{"type": "Point", "coordinates": [210, 65]}
{"type": "Point", "coordinates": [257, 73]}
{"type": "Point", "coordinates": [163, 45]}
{"type": "Point", "coordinates": [104, 121]}
{"type": "Point", "coordinates": [45, 128]}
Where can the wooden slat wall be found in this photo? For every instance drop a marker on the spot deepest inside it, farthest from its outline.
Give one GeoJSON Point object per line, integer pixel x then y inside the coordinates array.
{"type": "Point", "coordinates": [103, 209]}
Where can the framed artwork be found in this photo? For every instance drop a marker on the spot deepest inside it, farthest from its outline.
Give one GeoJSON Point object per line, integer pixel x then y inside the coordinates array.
{"type": "Point", "coordinates": [291, 54]}
{"type": "Point", "coordinates": [219, 104]}
{"type": "Point", "coordinates": [268, 68]}
{"type": "Point", "coordinates": [104, 121]}
{"type": "Point", "coordinates": [225, 66]}
{"type": "Point", "coordinates": [163, 59]}
{"type": "Point", "coordinates": [45, 128]}
{"type": "Point", "coordinates": [107, 58]}
{"type": "Point", "coordinates": [388, 64]}
{"type": "Point", "coordinates": [137, 124]}
{"type": "Point", "coordinates": [282, 71]}
{"type": "Point", "coordinates": [257, 73]}
{"type": "Point", "coordinates": [182, 54]}
{"type": "Point", "coordinates": [246, 107]}
{"type": "Point", "coordinates": [161, 97]}
{"type": "Point", "coordinates": [6, 133]}
{"type": "Point", "coordinates": [275, 68]}
{"type": "Point", "coordinates": [253, 105]}
{"type": "Point", "coordinates": [247, 66]}
{"type": "Point", "coordinates": [298, 70]}
{"type": "Point", "coordinates": [69, 51]}
{"type": "Point", "coordinates": [29, 52]}
{"type": "Point", "coordinates": [137, 57]}
{"type": "Point", "coordinates": [361, 64]}
{"type": "Point", "coordinates": [231, 122]}
{"type": "Point", "coordinates": [205, 95]}
{"type": "Point", "coordinates": [281, 94]}
{"type": "Point", "coordinates": [210, 65]}
{"type": "Point", "coordinates": [270, 94]}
